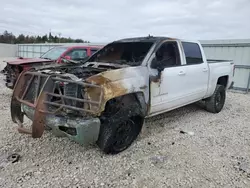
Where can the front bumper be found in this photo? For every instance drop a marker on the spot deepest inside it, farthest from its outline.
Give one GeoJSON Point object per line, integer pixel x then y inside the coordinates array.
{"type": "Point", "coordinates": [32, 97]}
{"type": "Point", "coordinates": [82, 130]}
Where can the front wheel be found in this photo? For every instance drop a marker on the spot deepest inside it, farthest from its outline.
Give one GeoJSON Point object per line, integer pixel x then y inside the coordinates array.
{"type": "Point", "coordinates": [216, 102]}
{"type": "Point", "coordinates": [116, 136]}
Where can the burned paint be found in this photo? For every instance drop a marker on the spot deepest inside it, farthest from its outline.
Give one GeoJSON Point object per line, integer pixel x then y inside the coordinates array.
{"type": "Point", "coordinates": [119, 82]}
{"type": "Point", "coordinates": [110, 89]}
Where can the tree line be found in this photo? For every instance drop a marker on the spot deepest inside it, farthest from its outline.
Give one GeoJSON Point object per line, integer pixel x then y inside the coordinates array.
{"type": "Point", "coordinates": [9, 38]}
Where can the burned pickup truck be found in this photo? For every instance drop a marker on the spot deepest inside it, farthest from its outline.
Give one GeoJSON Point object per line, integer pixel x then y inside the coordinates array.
{"type": "Point", "coordinates": [106, 98]}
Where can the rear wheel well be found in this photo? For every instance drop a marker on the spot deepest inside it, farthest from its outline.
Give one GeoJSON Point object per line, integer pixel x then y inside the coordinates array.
{"type": "Point", "coordinates": [223, 80]}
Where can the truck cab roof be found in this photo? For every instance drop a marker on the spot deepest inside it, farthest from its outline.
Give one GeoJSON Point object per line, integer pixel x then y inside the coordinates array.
{"type": "Point", "coordinates": [153, 39]}
{"type": "Point", "coordinates": [144, 39]}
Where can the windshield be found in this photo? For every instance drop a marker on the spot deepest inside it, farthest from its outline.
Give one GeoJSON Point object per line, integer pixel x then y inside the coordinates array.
{"type": "Point", "coordinates": [54, 53]}
{"type": "Point", "coordinates": [130, 53]}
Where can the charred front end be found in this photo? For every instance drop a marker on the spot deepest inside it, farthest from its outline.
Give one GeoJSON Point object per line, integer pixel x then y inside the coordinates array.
{"type": "Point", "coordinates": [59, 100]}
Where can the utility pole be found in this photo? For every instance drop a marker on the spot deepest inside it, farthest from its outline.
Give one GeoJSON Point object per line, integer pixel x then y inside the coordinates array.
{"type": "Point", "coordinates": [59, 34]}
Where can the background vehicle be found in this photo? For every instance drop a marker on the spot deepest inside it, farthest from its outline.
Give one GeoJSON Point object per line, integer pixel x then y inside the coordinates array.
{"type": "Point", "coordinates": [106, 99]}
{"type": "Point", "coordinates": [54, 55]}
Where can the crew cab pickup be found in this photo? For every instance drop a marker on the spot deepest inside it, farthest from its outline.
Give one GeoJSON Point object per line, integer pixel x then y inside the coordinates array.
{"type": "Point", "coordinates": [54, 55]}
{"type": "Point", "coordinates": [105, 99]}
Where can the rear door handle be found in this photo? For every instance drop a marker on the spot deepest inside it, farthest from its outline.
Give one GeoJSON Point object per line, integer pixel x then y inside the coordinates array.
{"type": "Point", "coordinates": [204, 69]}
{"type": "Point", "coordinates": [181, 73]}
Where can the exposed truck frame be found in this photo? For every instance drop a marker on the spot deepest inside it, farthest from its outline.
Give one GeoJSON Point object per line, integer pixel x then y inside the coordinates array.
{"type": "Point", "coordinates": [106, 102]}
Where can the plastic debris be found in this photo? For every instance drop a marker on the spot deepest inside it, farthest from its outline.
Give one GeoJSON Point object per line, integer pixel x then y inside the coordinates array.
{"type": "Point", "coordinates": [13, 157]}
{"type": "Point", "coordinates": [187, 132]}
{"type": "Point", "coordinates": [158, 159]}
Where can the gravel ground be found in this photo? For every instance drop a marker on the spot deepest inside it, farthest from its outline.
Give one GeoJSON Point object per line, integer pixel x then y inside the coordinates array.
{"type": "Point", "coordinates": [216, 155]}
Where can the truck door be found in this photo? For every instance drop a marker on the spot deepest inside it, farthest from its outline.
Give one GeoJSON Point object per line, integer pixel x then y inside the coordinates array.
{"type": "Point", "coordinates": [171, 88]}
{"type": "Point", "coordinates": [197, 72]}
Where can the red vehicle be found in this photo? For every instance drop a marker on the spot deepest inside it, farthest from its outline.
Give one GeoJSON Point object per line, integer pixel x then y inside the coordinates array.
{"type": "Point", "coordinates": [54, 55]}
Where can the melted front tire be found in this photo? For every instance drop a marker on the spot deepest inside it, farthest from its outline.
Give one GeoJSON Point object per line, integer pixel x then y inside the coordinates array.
{"type": "Point", "coordinates": [121, 123]}
{"type": "Point", "coordinates": [116, 136]}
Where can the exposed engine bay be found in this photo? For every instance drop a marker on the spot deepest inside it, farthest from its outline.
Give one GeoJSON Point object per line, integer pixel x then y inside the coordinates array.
{"type": "Point", "coordinates": [70, 93]}
{"type": "Point", "coordinates": [80, 71]}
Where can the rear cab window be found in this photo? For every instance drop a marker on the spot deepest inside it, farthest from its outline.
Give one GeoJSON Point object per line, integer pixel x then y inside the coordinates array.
{"type": "Point", "coordinates": [77, 53]}
{"type": "Point", "coordinates": [192, 53]}
{"type": "Point", "coordinates": [93, 50]}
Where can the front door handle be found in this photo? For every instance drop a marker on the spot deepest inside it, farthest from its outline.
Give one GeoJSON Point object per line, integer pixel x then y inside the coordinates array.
{"type": "Point", "coordinates": [181, 73]}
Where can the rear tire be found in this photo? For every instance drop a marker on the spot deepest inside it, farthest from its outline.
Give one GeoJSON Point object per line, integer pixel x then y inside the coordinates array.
{"type": "Point", "coordinates": [215, 103]}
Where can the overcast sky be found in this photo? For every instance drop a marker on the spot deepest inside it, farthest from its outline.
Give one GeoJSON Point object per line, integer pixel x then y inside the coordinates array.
{"type": "Point", "coordinates": [108, 20]}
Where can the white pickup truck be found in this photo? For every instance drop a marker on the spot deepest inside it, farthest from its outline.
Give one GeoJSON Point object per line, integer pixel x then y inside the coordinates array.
{"type": "Point", "coordinates": [106, 98]}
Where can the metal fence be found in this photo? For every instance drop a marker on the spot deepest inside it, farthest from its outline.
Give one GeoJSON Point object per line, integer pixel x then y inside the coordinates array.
{"type": "Point", "coordinates": [236, 50]}
{"type": "Point", "coordinates": [8, 50]}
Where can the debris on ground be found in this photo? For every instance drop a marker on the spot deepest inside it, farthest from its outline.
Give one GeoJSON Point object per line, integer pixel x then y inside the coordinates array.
{"type": "Point", "coordinates": [158, 159]}
{"type": "Point", "coordinates": [187, 132]}
{"type": "Point", "coordinates": [245, 168]}
{"type": "Point", "coordinates": [13, 157]}
{"type": "Point", "coordinates": [242, 165]}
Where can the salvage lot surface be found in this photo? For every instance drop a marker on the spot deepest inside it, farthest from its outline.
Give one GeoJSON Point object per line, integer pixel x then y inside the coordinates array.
{"type": "Point", "coordinates": [217, 155]}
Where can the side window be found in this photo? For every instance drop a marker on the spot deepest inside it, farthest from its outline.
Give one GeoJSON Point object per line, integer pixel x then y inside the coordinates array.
{"type": "Point", "coordinates": [77, 54]}
{"type": "Point", "coordinates": [167, 56]}
{"type": "Point", "coordinates": [192, 52]}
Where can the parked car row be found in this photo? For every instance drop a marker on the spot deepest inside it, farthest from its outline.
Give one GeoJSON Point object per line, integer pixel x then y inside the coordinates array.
{"type": "Point", "coordinates": [105, 98]}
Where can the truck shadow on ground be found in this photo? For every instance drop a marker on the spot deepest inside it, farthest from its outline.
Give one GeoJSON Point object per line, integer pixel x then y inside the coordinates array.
{"type": "Point", "coordinates": [169, 120]}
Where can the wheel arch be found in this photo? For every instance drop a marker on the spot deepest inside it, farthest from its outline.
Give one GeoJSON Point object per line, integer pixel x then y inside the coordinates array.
{"type": "Point", "coordinates": [223, 80]}
{"type": "Point", "coordinates": [137, 97]}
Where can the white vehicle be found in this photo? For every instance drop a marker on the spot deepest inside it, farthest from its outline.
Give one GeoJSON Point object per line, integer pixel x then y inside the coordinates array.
{"type": "Point", "coordinates": [106, 98]}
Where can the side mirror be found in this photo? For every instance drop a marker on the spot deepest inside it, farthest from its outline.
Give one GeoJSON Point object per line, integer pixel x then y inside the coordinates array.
{"type": "Point", "coordinates": [67, 57]}
{"type": "Point", "coordinates": [156, 65]}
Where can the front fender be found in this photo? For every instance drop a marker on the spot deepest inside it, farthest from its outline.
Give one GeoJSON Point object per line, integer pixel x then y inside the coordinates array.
{"type": "Point", "coordinates": [120, 82]}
